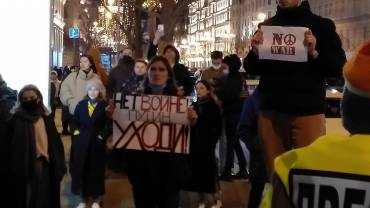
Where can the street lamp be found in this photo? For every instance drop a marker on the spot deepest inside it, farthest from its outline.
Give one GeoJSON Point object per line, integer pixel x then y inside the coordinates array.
{"type": "Point", "coordinates": [110, 2]}
{"type": "Point", "coordinates": [184, 41]}
{"type": "Point", "coordinates": [261, 16]}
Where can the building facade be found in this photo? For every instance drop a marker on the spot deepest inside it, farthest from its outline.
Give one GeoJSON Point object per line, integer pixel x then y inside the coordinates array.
{"type": "Point", "coordinates": [57, 33]}
{"type": "Point", "coordinates": [250, 14]}
{"type": "Point", "coordinates": [351, 17]}
{"type": "Point", "coordinates": [352, 20]}
{"type": "Point", "coordinates": [78, 14]}
{"type": "Point", "coordinates": [209, 29]}
{"type": "Point", "coordinates": [180, 39]}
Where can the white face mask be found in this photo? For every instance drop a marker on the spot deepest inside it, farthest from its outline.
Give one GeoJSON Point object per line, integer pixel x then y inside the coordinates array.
{"type": "Point", "coordinates": [93, 93]}
{"type": "Point", "coordinates": [226, 71]}
{"type": "Point", "coordinates": [216, 66]}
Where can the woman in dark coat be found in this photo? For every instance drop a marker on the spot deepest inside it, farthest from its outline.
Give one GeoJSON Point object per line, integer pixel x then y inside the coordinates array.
{"type": "Point", "coordinates": [204, 136]}
{"type": "Point", "coordinates": [37, 154]}
{"type": "Point", "coordinates": [89, 146]}
{"type": "Point", "coordinates": [157, 177]}
{"type": "Point", "coordinates": [185, 84]}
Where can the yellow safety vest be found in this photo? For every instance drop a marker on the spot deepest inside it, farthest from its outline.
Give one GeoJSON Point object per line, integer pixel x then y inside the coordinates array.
{"type": "Point", "coordinates": [334, 171]}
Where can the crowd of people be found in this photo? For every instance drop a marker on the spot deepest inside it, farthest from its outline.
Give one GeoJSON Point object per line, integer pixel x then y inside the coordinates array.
{"type": "Point", "coordinates": [279, 123]}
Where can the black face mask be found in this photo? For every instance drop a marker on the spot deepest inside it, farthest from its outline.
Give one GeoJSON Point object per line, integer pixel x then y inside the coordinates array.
{"type": "Point", "coordinates": [31, 105]}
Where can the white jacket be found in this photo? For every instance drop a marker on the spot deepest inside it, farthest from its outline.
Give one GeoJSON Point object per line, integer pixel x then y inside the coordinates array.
{"type": "Point", "coordinates": [73, 88]}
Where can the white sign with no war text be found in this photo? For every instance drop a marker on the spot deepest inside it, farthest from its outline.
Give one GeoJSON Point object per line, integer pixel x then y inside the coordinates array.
{"type": "Point", "coordinates": [283, 43]}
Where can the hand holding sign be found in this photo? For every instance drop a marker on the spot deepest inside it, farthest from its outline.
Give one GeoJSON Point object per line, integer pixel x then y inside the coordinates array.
{"type": "Point", "coordinates": [192, 115]}
{"type": "Point", "coordinates": [180, 91]}
{"type": "Point", "coordinates": [285, 43]}
{"type": "Point", "coordinates": [257, 40]}
{"type": "Point", "coordinates": [310, 43]}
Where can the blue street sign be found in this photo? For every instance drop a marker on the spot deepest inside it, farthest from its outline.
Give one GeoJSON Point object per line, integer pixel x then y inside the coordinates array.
{"type": "Point", "coordinates": [74, 32]}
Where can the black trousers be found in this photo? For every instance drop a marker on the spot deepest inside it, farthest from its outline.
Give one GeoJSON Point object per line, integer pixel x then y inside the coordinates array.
{"type": "Point", "coordinates": [66, 117]}
{"type": "Point", "coordinates": [153, 197]}
{"type": "Point", "coordinates": [232, 142]}
{"type": "Point", "coordinates": [39, 188]}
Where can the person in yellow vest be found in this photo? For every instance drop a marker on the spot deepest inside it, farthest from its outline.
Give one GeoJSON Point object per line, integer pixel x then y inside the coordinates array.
{"type": "Point", "coordinates": [333, 171]}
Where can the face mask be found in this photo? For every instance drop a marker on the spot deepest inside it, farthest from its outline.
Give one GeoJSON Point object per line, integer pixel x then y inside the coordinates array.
{"type": "Point", "coordinates": [30, 105]}
{"type": "Point", "coordinates": [226, 71]}
{"type": "Point", "coordinates": [216, 66]}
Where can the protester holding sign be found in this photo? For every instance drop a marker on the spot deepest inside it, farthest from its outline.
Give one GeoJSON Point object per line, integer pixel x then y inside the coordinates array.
{"type": "Point", "coordinates": [293, 92]}
{"type": "Point", "coordinates": [157, 177]}
{"type": "Point", "coordinates": [204, 136]}
{"type": "Point", "coordinates": [334, 170]}
{"type": "Point", "coordinates": [89, 146]}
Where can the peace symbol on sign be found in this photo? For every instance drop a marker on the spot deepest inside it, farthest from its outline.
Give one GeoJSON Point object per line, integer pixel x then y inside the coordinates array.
{"type": "Point", "coordinates": [290, 39]}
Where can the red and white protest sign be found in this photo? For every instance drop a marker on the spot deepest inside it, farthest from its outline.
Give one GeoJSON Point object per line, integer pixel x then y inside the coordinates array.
{"type": "Point", "coordinates": [151, 123]}
{"type": "Point", "coordinates": [283, 43]}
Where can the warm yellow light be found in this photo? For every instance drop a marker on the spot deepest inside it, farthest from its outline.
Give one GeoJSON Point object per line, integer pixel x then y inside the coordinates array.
{"type": "Point", "coordinates": [108, 15]}
{"type": "Point", "coordinates": [110, 2]}
{"type": "Point", "coordinates": [184, 41]}
{"type": "Point", "coordinates": [261, 16]}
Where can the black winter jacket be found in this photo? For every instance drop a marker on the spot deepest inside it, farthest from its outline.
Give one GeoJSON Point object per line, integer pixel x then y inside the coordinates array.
{"type": "Point", "coordinates": [230, 93]}
{"type": "Point", "coordinates": [204, 136]}
{"type": "Point", "coordinates": [299, 87]}
{"type": "Point", "coordinates": [119, 75]}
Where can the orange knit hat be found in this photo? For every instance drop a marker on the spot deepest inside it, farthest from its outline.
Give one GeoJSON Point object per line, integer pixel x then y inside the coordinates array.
{"type": "Point", "coordinates": [357, 72]}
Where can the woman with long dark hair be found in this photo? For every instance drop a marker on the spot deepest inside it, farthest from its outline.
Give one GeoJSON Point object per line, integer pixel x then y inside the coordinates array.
{"type": "Point", "coordinates": [205, 133]}
{"type": "Point", "coordinates": [73, 88]}
{"type": "Point", "coordinates": [185, 84]}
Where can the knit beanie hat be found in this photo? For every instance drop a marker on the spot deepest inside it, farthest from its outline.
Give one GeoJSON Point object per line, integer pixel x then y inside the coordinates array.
{"type": "Point", "coordinates": [94, 83]}
{"type": "Point", "coordinates": [356, 97]}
